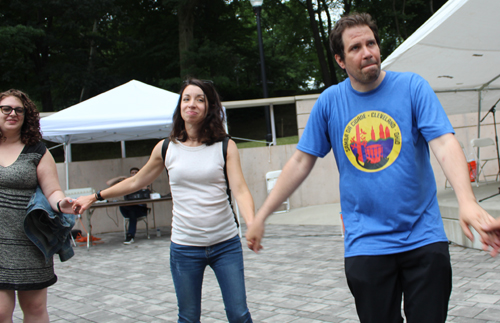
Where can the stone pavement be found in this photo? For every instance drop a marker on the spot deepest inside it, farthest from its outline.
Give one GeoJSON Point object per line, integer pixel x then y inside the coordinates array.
{"type": "Point", "coordinates": [298, 278]}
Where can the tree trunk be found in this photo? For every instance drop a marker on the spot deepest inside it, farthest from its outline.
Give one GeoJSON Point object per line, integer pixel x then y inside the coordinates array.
{"type": "Point", "coordinates": [396, 20]}
{"type": "Point", "coordinates": [347, 7]}
{"type": "Point", "coordinates": [318, 45]}
{"type": "Point", "coordinates": [84, 95]}
{"type": "Point", "coordinates": [40, 58]}
{"type": "Point", "coordinates": [186, 27]}
{"type": "Point", "coordinates": [326, 42]}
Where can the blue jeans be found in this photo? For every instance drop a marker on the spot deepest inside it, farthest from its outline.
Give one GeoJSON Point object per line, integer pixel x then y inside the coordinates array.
{"type": "Point", "coordinates": [133, 212]}
{"type": "Point", "coordinates": [188, 264]}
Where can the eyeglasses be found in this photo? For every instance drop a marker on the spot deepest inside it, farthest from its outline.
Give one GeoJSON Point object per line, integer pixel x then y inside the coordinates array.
{"type": "Point", "coordinates": [7, 109]}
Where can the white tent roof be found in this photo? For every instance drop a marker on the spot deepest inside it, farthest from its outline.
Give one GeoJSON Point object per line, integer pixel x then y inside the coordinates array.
{"type": "Point", "coordinates": [458, 52]}
{"type": "Point", "coordinates": [132, 111]}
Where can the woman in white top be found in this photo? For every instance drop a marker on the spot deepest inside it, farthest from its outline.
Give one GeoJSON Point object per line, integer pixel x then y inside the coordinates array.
{"type": "Point", "coordinates": [204, 229]}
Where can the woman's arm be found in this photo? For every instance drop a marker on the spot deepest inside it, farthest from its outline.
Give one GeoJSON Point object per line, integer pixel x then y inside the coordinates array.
{"type": "Point", "coordinates": [49, 182]}
{"type": "Point", "coordinates": [238, 185]}
{"type": "Point", "coordinates": [115, 180]}
{"type": "Point", "coordinates": [144, 177]}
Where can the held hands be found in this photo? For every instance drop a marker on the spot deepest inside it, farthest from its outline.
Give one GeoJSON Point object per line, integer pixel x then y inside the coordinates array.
{"type": "Point", "coordinates": [66, 205]}
{"type": "Point", "coordinates": [254, 234]}
{"type": "Point", "coordinates": [471, 214]}
{"type": "Point", "coordinates": [83, 203]}
{"type": "Point", "coordinates": [494, 230]}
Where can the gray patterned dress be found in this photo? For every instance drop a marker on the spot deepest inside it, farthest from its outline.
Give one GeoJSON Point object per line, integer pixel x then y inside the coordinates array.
{"type": "Point", "coordinates": [22, 264]}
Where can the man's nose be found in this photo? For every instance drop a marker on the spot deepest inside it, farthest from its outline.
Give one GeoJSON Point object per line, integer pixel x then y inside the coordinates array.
{"type": "Point", "coordinates": [366, 52]}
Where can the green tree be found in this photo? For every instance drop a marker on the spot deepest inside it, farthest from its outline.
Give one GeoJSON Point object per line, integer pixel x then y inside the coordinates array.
{"type": "Point", "coordinates": [318, 44]}
{"type": "Point", "coordinates": [65, 51]}
{"type": "Point", "coordinates": [396, 19]}
{"type": "Point", "coordinates": [53, 63]}
{"type": "Point", "coordinates": [62, 52]}
{"type": "Point", "coordinates": [289, 48]}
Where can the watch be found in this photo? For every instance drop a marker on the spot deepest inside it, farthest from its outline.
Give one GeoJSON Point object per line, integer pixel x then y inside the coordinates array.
{"type": "Point", "coordinates": [98, 196]}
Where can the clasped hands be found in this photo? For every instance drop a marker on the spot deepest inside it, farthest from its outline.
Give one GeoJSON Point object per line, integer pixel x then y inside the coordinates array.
{"type": "Point", "coordinates": [70, 205]}
{"type": "Point", "coordinates": [473, 215]}
{"type": "Point", "coordinates": [493, 231]}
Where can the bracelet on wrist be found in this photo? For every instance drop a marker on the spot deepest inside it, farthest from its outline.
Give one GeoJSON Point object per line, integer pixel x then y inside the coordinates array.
{"type": "Point", "coordinates": [98, 196]}
{"type": "Point", "coordinates": [58, 206]}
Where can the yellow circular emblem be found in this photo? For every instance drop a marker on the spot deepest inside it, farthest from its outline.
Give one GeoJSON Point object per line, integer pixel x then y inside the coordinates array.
{"type": "Point", "coordinates": [372, 141]}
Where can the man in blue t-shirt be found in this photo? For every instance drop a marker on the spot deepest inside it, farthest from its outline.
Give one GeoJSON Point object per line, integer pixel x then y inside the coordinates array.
{"type": "Point", "coordinates": [380, 125]}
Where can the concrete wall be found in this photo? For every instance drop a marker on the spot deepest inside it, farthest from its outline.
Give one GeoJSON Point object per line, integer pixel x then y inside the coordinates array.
{"type": "Point", "coordinates": [321, 186]}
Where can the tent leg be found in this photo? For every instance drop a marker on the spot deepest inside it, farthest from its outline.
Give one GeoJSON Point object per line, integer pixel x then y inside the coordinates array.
{"type": "Point", "coordinates": [67, 159]}
{"type": "Point", "coordinates": [273, 124]}
{"type": "Point", "coordinates": [479, 106]}
{"type": "Point", "coordinates": [66, 167]}
{"type": "Point", "coordinates": [124, 152]}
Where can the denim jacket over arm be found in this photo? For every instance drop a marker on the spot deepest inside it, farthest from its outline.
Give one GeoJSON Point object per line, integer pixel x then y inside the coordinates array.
{"type": "Point", "coordinates": [47, 229]}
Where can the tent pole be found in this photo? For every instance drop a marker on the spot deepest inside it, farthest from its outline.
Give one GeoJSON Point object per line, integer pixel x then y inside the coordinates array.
{"type": "Point", "coordinates": [273, 124]}
{"type": "Point", "coordinates": [66, 165]}
{"type": "Point", "coordinates": [124, 152]}
{"type": "Point", "coordinates": [67, 157]}
{"type": "Point", "coordinates": [225, 119]}
{"type": "Point", "coordinates": [479, 106]}
{"type": "Point", "coordinates": [70, 159]}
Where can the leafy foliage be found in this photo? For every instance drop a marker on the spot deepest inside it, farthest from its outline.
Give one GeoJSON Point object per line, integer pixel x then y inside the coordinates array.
{"type": "Point", "coordinates": [397, 20]}
{"type": "Point", "coordinates": [64, 51]}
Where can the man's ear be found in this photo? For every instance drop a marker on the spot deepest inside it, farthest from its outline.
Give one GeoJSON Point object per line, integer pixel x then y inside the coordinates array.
{"type": "Point", "coordinates": [339, 61]}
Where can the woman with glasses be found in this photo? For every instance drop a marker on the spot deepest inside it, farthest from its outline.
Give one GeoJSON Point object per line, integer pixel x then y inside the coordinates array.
{"type": "Point", "coordinates": [24, 164]}
{"type": "Point", "coordinates": [204, 229]}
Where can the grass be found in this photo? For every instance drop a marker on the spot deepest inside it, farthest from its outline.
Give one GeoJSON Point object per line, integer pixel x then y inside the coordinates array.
{"type": "Point", "coordinates": [280, 141]}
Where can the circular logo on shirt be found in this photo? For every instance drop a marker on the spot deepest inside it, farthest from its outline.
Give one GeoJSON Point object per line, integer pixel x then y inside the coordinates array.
{"type": "Point", "coordinates": [372, 141]}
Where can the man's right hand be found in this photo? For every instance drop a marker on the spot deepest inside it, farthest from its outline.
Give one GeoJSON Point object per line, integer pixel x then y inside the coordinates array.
{"type": "Point", "coordinates": [494, 230]}
{"type": "Point", "coordinates": [255, 233]}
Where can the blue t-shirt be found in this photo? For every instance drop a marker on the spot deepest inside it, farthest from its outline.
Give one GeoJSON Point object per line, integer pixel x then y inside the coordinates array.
{"type": "Point", "coordinates": [380, 142]}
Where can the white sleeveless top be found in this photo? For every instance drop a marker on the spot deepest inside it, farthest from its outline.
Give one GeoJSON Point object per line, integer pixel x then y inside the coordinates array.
{"type": "Point", "coordinates": [201, 215]}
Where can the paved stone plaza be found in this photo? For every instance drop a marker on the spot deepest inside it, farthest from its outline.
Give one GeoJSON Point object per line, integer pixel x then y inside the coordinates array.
{"type": "Point", "coordinates": [298, 277]}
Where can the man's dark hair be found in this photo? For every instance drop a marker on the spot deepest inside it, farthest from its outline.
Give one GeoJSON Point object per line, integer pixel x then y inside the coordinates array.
{"type": "Point", "coordinates": [349, 21]}
{"type": "Point", "coordinates": [133, 168]}
{"type": "Point", "coordinates": [212, 129]}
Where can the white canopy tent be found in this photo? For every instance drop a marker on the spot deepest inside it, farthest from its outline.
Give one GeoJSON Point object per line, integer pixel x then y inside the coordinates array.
{"type": "Point", "coordinates": [458, 52]}
{"type": "Point", "coordinates": [132, 111]}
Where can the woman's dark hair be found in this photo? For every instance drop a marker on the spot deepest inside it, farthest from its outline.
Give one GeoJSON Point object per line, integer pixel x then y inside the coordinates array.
{"type": "Point", "coordinates": [30, 130]}
{"type": "Point", "coordinates": [352, 20]}
{"type": "Point", "coordinates": [212, 128]}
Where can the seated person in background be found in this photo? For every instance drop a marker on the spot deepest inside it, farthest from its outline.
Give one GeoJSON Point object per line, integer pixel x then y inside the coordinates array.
{"type": "Point", "coordinates": [131, 212]}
